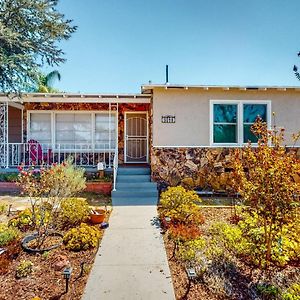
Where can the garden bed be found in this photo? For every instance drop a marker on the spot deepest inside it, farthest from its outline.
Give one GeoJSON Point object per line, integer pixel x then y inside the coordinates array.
{"type": "Point", "coordinates": [101, 187]}
{"type": "Point", "coordinates": [46, 280]}
{"type": "Point", "coordinates": [58, 240]}
{"type": "Point", "coordinates": [241, 280]}
{"type": "Point", "coordinates": [9, 187]}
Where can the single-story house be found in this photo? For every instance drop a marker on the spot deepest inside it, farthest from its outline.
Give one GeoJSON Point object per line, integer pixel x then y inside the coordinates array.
{"type": "Point", "coordinates": [177, 129]}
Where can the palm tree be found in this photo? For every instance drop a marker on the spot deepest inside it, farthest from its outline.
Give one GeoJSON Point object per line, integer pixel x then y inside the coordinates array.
{"type": "Point", "coordinates": [45, 82]}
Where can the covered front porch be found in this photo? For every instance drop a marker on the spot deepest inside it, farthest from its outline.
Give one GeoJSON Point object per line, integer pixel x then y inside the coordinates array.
{"type": "Point", "coordinates": [41, 129]}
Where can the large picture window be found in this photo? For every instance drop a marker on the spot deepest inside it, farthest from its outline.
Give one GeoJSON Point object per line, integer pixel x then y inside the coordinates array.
{"type": "Point", "coordinates": [74, 130]}
{"type": "Point", "coordinates": [232, 120]}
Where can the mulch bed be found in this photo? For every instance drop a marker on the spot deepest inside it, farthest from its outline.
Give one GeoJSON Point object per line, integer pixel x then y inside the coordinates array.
{"type": "Point", "coordinates": [45, 282]}
{"type": "Point", "coordinates": [179, 277]}
{"type": "Point", "coordinates": [243, 279]}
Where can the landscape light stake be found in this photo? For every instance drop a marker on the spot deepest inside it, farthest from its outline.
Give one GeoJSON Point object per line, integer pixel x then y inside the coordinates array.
{"type": "Point", "coordinates": [81, 269]}
{"type": "Point", "coordinates": [192, 275]}
{"type": "Point", "coordinates": [67, 275]}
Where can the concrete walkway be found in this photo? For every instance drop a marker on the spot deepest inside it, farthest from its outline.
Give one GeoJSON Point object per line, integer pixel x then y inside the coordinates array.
{"type": "Point", "coordinates": [131, 262]}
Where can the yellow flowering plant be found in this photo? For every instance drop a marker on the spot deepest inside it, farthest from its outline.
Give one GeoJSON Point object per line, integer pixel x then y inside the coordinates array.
{"type": "Point", "coordinates": [82, 237]}
{"type": "Point", "coordinates": [181, 205]}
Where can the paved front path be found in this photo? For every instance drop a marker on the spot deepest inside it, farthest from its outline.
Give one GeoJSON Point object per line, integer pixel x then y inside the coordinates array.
{"type": "Point", "coordinates": [131, 262]}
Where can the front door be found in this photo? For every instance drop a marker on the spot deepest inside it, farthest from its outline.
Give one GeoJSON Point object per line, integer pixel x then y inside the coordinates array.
{"type": "Point", "coordinates": [136, 137]}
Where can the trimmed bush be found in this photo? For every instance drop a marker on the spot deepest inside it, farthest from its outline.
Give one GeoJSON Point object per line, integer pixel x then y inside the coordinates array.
{"type": "Point", "coordinates": [180, 205]}
{"type": "Point", "coordinates": [82, 238]}
{"type": "Point", "coordinates": [26, 219]}
{"type": "Point", "coordinates": [74, 211]}
{"type": "Point", "coordinates": [292, 293]}
{"type": "Point", "coordinates": [24, 268]}
{"type": "Point", "coordinates": [7, 234]}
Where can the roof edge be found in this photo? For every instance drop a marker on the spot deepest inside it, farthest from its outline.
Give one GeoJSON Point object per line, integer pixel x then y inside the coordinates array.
{"type": "Point", "coordinates": [148, 87]}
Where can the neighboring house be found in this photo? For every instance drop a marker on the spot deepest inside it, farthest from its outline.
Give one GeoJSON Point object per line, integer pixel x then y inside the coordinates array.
{"type": "Point", "coordinates": [178, 129]}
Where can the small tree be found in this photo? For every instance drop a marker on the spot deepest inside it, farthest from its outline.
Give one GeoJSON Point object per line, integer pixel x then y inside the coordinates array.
{"type": "Point", "coordinates": [265, 178]}
{"type": "Point", "coordinates": [46, 189]}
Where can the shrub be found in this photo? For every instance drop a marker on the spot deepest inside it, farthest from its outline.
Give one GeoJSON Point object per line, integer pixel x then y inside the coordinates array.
{"type": "Point", "coordinates": [7, 234]}
{"type": "Point", "coordinates": [264, 176]}
{"type": "Point", "coordinates": [183, 233]}
{"type": "Point", "coordinates": [82, 237]}
{"type": "Point", "coordinates": [247, 239]}
{"type": "Point", "coordinates": [74, 211]}
{"type": "Point", "coordinates": [12, 177]}
{"type": "Point", "coordinates": [268, 291]}
{"type": "Point", "coordinates": [59, 181]}
{"type": "Point", "coordinates": [189, 250]}
{"type": "Point", "coordinates": [180, 205]}
{"type": "Point", "coordinates": [24, 268]}
{"type": "Point", "coordinates": [3, 208]}
{"type": "Point", "coordinates": [46, 189]}
{"type": "Point", "coordinates": [292, 293]}
{"type": "Point", "coordinates": [45, 255]}
{"type": "Point", "coordinates": [26, 219]}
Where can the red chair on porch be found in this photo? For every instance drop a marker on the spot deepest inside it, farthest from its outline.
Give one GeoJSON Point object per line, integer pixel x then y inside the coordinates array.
{"type": "Point", "coordinates": [36, 154]}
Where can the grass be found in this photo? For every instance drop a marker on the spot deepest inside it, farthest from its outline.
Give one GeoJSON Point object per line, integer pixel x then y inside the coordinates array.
{"type": "Point", "coordinates": [95, 199]}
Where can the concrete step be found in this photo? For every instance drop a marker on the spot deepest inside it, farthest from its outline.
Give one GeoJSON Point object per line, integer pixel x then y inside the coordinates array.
{"type": "Point", "coordinates": [133, 171]}
{"type": "Point", "coordinates": [133, 178]}
{"type": "Point", "coordinates": [137, 185]}
{"type": "Point", "coordinates": [134, 201]}
{"type": "Point", "coordinates": [134, 193]}
{"type": "Point", "coordinates": [137, 189]}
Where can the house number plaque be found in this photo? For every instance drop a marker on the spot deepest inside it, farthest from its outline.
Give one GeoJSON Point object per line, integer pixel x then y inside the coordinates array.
{"type": "Point", "coordinates": [168, 119]}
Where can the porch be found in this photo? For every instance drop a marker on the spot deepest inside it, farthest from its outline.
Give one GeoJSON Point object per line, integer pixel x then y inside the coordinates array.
{"type": "Point", "coordinates": [43, 129]}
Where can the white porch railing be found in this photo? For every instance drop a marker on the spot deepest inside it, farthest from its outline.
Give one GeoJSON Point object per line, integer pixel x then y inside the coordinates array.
{"type": "Point", "coordinates": [86, 155]}
{"type": "Point", "coordinates": [115, 165]}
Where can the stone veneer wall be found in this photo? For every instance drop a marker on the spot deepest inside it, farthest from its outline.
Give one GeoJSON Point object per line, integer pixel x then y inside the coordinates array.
{"type": "Point", "coordinates": [203, 168]}
{"type": "Point", "coordinates": [94, 107]}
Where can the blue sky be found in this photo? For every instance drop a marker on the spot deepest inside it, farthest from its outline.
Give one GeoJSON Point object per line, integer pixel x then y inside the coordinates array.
{"type": "Point", "coordinates": [121, 44]}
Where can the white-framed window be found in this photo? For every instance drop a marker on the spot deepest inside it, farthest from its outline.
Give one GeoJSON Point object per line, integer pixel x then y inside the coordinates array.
{"type": "Point", "coordinates": [73, 129]}
{"type": "Point", "coordinates": [40, 127]}
{"type": "Point", "coordinates": [104, 133]}
{"type": "Point", "coordinates": [231, 120]}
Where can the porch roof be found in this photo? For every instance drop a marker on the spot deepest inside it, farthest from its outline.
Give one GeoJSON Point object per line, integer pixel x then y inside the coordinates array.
{"type": "Point", "coordinates": [77, 98]}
